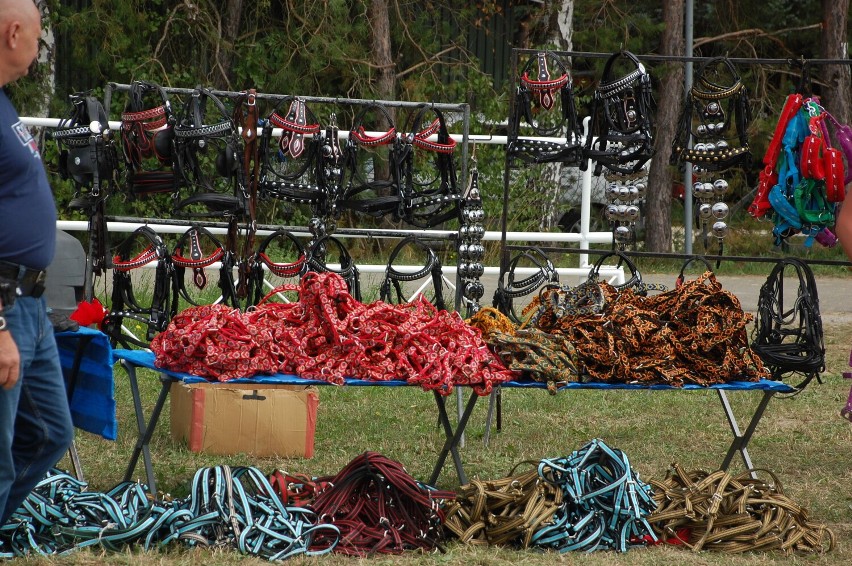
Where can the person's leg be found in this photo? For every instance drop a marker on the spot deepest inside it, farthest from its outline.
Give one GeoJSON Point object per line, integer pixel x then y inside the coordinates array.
{"type": "Point", "coordinates": [43, 428]}
{"type": "Point", "coordinates": [8, 410]}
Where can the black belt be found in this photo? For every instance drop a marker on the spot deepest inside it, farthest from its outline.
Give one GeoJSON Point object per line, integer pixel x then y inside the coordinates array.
{"type": "Point", "coordinates": [29, 282]}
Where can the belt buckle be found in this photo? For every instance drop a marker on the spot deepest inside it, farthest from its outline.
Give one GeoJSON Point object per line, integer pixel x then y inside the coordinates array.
{"type": "Point", "coordinates": [38, 286]}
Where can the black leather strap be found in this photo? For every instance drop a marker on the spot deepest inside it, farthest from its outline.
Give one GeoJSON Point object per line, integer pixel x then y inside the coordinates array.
{"type": "Point", "coordinates": [394, 277]}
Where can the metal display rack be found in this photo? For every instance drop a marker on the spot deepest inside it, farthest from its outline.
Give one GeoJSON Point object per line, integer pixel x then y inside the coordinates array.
{"type": "Point", "coordinates": [339, 104]}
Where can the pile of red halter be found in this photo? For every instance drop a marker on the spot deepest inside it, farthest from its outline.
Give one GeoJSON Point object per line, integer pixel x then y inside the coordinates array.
{"type": "Point", "coordinates": [329, 335]}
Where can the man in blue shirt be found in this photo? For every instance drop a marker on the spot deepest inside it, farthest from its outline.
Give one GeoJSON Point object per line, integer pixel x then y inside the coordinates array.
{"type": "Point", "coordinates": [35, 422]}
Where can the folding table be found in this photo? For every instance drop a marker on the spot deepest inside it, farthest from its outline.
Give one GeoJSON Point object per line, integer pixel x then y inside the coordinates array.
{"type": "Point", "coordinates": [133, 359]}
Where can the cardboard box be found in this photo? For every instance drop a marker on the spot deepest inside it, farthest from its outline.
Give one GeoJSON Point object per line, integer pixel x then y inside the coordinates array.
{"type": "Point", "coordinates": [261, 420]}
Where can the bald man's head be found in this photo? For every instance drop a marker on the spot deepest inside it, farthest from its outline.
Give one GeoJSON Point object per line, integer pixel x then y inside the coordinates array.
{"type": "Point", "coordinates": [16, 9]}
{"type": "Point", "coordinates": [20, 30]}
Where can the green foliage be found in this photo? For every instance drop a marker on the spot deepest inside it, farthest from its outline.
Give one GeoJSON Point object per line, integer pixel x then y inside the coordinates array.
{"type": "Point", "coordinates": [323, 48]}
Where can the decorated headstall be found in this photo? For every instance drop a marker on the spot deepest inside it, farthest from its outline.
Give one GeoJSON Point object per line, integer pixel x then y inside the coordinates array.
{"type": "Point", "coordinates": [290, 148]}
{"type": "Point", "coordinates": [318, 255]}
{"type": "Point", "coordinates": [391, 290]}
{"type": "Point", "coordinates": [88, 156]}
{"type": "Point", "coordinates": [619, 140]}
{"type": "Point", "coordinates": [331, 175]}
{"type": "Point", "coordinates": [272, 256]}
{"type": "Point", "coordinates": [371, 184]}
{"type": "Point", "coordinates": [545, 107]}
{"type": "Point", "coordinates": [147, 135]}
{"type": "Point", "coordinates": [139, 249]}
{"type": "Point", "coordinates": [470, 248]}
{"type": "Point", "coordinates": [715, 118]}
{"type": "Point", "coordinates": [197, 249]}
{"type": "Point", "coordinates": [429, 185]}
{"type": "Point", "coordinates": [208, 159]}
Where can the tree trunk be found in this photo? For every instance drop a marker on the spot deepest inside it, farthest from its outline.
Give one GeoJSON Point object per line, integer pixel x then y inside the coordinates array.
{"type": "Point", "coordinates": [384, 85]}
{"type": "Point", "coordinates": [44, 74]}
{"type": "Point", "coordinates": [225, 51]}
{"type": "Point", "coordinates": [561, 36]}
{"type": "Point", "coordinates": [836, 94]}
{"type": "Point", "coordinates": [658, 212]}
{"type": "Point", "coordinates": [380, 50]}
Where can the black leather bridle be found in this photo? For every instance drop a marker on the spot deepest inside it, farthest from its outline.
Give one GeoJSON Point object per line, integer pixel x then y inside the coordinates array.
{"type": "Point", "coordinates": [289, 165]}
{"type": "Point", "coordinates": [147, 136]}
{"type": "Point", "coordinates": [374, 197]}
{"type": "Point", "coordinates": [208, 160]}
{"type": "Point", "coordinates": [125, 305]}
{"type": "Point", "coordinates": [391, 289]}
{"type": "Point", "coordinates": [261, 262]}
{"type": "Point", "coordinates": [620, 137]}
{"type": "Point", "coordinates": [536, 110]}
{"type": "Point", "coordinates": [710, 111]}
{"type": "Point", "coordinates": [197, 249]}
{"type": "Point", "coordinates": [430, 194]}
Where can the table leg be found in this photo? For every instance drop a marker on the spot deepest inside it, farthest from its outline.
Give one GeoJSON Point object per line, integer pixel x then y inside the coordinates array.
{"type": "Point", "coordinates": [70, 386]}
{"type": "Point", "coordinates": [452, 437]}
{"type": "Point", "coordinates": [741, 439]}
{"type": "Point", "coordinates": [146, 430]}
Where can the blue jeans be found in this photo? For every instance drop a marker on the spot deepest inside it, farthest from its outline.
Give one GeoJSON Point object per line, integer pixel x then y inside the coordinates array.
{"type": "Point", "coordinates": [35, 421]}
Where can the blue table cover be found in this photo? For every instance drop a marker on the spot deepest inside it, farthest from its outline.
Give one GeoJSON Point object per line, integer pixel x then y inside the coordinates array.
{"type": "Point", "coordinates": [141, 358]}
{"type": "Point", "coordinates": [93, 402]}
